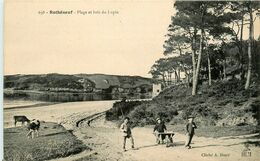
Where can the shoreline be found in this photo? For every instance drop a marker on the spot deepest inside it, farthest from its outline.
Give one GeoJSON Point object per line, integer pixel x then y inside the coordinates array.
{"type": "Point", "coordinates": [9, 91]}
{"type": "Point", "coordinates": [33, 105]}
{"type": "Point", "coordinates": [44, 92]}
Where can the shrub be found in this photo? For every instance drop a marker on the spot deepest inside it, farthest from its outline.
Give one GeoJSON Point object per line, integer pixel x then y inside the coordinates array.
{"type": "Point", "coordinates": [176, 103]}
{"type": "Point", "coordinates": [120, 109]}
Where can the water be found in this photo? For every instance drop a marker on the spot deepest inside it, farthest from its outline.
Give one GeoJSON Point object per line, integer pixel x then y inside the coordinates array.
{"type": "Point", "coordinates": [66, 97]}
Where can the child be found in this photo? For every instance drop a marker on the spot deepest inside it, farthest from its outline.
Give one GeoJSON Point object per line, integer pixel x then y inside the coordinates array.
{"type": "Point", "coordinates": [126, 131]}
{"type": "Point", "coordinates": [159, 128]}
{"type": "Point", "coordinates": [190, 128]}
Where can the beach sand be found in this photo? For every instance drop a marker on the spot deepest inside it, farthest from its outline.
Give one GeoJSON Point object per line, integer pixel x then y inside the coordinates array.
{"type": "Point", "coordinates": [105, 139]}
{"type": "Point", "coordinates": [65, 113]}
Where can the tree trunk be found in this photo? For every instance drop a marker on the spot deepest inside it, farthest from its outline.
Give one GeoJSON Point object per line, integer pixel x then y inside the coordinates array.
{"type": "Point", "coordinates": [242, 73]}
{"type": "Point", "coordinates": [209, 70]}
{"type": "Point", "coordinates": [169, 78]}
{"type": "Point", "coordinates": [249, 68]}
{"type": "Point", "coordinates": [187, 77]}
{"type": "Point", "coordinates": [179, 74]}
{"type": "Point", "coordinates": [193, 63]}
{"type": "Point", "coordinates": [179, 49]}
{"type": "Point", "coordinates": [224, 70]}
{"type": "Point", "coordinates": [164, 81]}
{"type": "Point", "coordinates": [188, 80]}
{"type": "Point", "coordinates": [176, 76]}
{"type": "Point", "coordinates": [194, 86]}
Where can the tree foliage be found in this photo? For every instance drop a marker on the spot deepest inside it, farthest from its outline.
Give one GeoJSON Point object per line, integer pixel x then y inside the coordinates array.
{"type": "Point", "coordinates": [205, 40]}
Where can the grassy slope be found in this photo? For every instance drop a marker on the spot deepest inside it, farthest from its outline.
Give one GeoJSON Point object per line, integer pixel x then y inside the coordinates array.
{"type": "Point", "coordinates": [216, 131]}
{"type": "Point", "coordinates": [54, 141]}
{"type": "Point", "coordinates": [223, 109]}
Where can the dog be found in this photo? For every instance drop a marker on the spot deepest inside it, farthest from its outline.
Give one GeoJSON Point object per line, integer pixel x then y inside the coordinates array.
{"type": "Point", "coordinates": [33, 127]}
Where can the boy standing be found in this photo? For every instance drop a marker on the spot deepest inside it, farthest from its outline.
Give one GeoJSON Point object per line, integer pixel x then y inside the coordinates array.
{"type": "Point", "coordinates": [190, 131]}
{"type": "Point", "coordinates": [126, 131]}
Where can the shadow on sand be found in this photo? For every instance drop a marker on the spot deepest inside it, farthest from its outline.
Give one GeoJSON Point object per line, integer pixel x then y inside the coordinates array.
{"type": "Point", "coordinates": [245, 137]}
{"type": "Point", "coordinates": [146, 146]}
{"type": "Point", "coordinates": [174, 144]}
{"type": "Point", "coordinates": [52, 134]}
{"type": "Point", "coordinates": [179, 143]}
{"type": "Point", "coordinates": [219, 145]}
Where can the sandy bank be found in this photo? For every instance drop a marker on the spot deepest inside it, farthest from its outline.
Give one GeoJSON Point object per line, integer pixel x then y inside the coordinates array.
{"type": "Point", "coordinates": [60, 113]}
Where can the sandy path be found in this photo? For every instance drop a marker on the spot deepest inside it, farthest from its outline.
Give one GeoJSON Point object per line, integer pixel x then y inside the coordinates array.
{"type": "Point", "coordinates": [105, 140]}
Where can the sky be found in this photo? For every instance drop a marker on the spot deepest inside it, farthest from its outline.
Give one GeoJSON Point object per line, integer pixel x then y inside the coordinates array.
{"type": "Point", "coordinates": [126, 43]}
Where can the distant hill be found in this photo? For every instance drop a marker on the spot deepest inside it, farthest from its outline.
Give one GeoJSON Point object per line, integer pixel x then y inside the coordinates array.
{"type": "Point", "coordinates": [79, 83]}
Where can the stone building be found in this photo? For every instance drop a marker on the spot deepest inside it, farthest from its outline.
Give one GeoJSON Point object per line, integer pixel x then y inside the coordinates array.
{"type": "Point", "coordinates": [157, 88]}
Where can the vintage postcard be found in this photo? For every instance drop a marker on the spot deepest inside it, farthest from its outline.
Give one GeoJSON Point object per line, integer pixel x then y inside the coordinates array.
{"type": "Point", "coordinates": [132, 80]}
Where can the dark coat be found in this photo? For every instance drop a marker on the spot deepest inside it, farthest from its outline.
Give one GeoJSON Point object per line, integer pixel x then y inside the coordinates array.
{"type": "Point", "coordinates": [190, 128]}
{"type": "Point", "coordinates": [160, 127]}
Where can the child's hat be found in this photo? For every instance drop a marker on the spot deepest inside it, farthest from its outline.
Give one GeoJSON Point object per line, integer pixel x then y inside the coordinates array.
{"type": "Point", "coordinates": [190, 117]}
{"type": "Point", "coordinates": [158, 119]}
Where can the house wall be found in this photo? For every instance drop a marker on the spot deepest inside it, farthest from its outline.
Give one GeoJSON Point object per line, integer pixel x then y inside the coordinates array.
{"type": "Point", "coordinates": [157, 88]}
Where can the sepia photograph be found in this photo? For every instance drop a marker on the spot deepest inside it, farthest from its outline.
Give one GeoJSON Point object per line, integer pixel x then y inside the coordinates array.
{"type": "Point", "coordinates": [131, 80]}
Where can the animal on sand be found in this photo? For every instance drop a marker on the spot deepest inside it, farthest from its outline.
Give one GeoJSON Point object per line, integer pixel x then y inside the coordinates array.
{"type": "Point", "coordinates": [22, 119]}
{"type": "Point", "coordinates": [33, 127]}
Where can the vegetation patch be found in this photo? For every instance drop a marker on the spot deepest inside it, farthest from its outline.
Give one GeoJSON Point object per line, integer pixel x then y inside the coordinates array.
{"type": "Point", "coordinates": [215, 131]}
{"type": "Point", "coordinates": [121, 109]}
{"type": "Point", "coordinates": [54, 141]}
{"type": "Point", "coordinates": [234, 111]}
